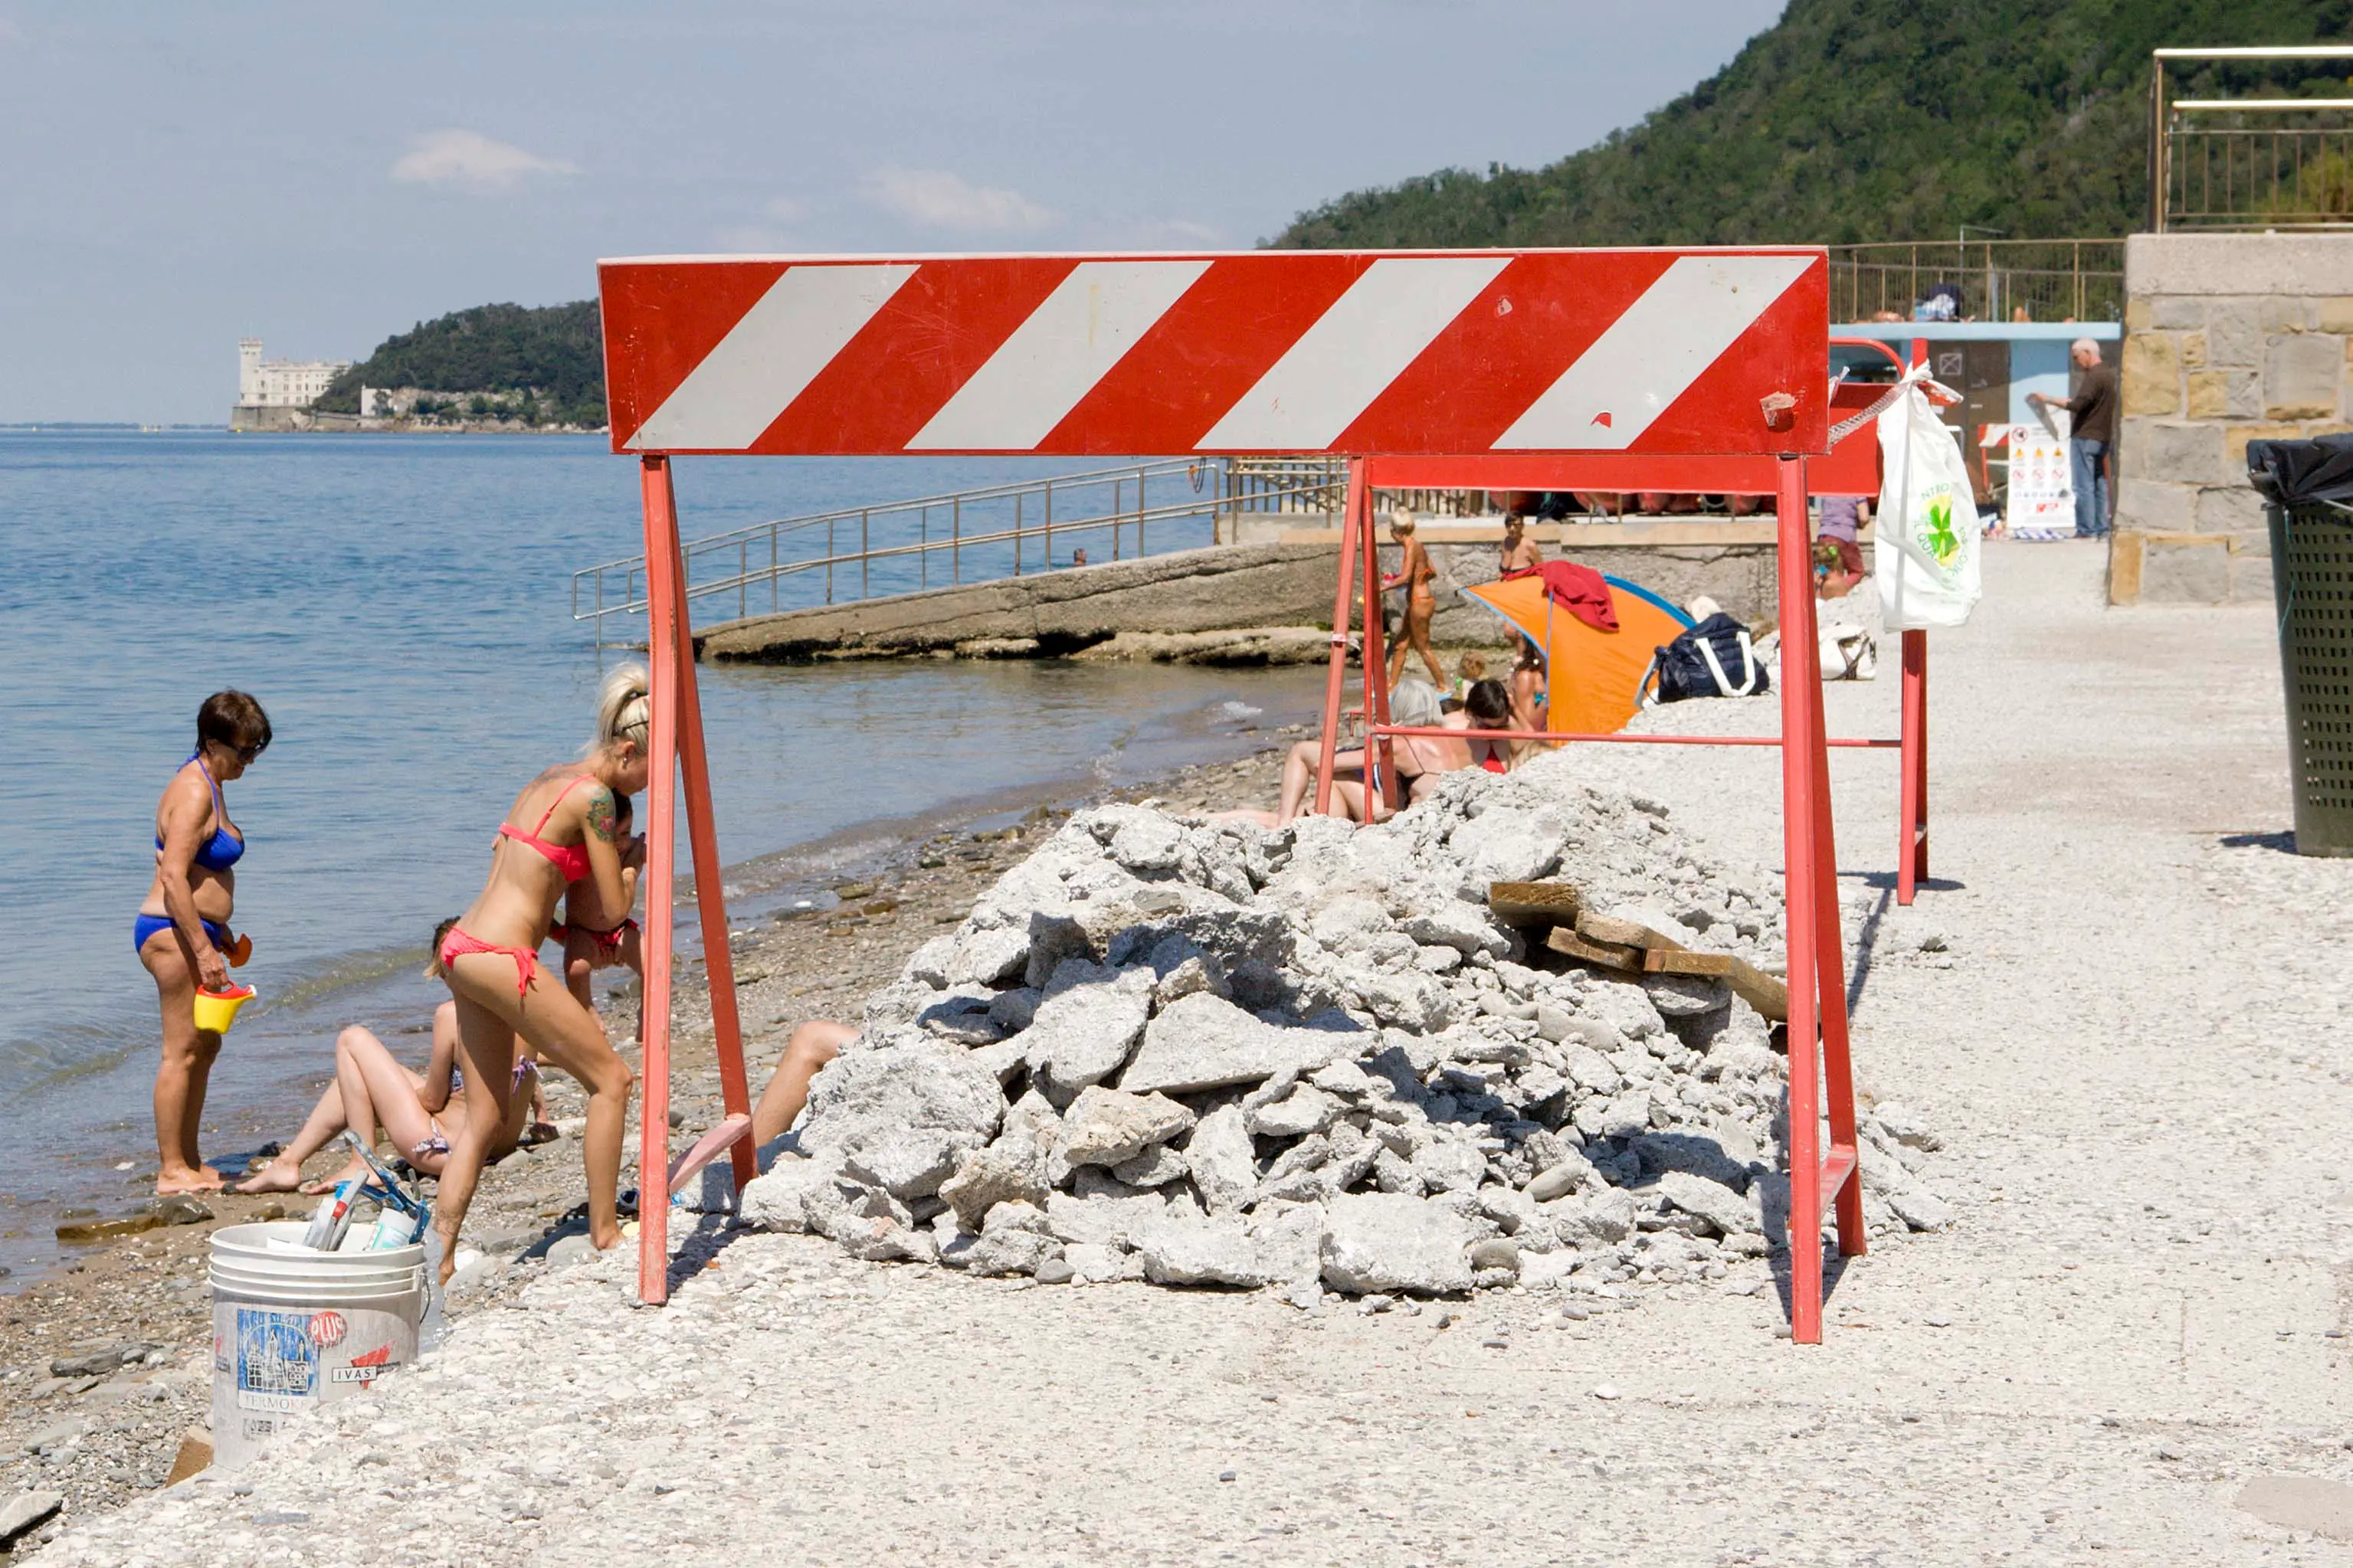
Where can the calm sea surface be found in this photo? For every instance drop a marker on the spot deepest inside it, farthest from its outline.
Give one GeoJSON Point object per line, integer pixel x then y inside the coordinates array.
{"type": "Point", "coordinates": [401, 606]}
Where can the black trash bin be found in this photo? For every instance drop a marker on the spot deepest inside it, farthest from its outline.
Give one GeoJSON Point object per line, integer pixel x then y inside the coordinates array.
{"type": "Point", "coordinates": [2309, 487]}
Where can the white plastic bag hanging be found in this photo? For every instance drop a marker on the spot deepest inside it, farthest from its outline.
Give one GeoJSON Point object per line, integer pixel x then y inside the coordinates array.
{"type": "Point", "coordinates": [1925, 552]}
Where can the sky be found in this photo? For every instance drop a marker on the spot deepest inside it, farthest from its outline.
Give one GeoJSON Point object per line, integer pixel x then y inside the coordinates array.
{"type": "Point", "coordinates": [320, 176]}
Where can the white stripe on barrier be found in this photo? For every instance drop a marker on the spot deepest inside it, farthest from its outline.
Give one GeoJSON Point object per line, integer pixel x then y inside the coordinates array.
{"type": "Point", "coordinates": [1651, 355]}
{"type": "Point", "coordinates": [1353, 352]}
{"type": "Point", "coordinates": [769, 357]}
{"type": "Point", "coordinates": [1056, 356]}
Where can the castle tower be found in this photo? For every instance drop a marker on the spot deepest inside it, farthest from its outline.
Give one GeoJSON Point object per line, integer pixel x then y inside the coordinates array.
{"type": "Point", "coordinates": [249, 373]}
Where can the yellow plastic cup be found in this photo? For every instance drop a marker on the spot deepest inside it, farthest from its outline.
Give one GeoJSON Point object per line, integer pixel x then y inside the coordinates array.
{"type": "Point", "coordinates": [216, 1010]}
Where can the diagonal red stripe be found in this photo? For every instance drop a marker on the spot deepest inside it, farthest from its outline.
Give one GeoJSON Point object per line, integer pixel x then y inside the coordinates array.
{"type": "Point", "coordinates": [1205, 353]}
{"type": "Point", "coordinates": [888, 381]}
{"type": "Point", "coordinates": [1506, 347]}
{"type": "Point", "coordinates": [1724, 409]}
{"type": "Point", "coordinates": [662, 321]}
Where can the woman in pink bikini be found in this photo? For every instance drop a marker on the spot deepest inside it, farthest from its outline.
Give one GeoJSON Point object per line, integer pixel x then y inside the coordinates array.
{"type": "Point", "coordinates": [491, 959]}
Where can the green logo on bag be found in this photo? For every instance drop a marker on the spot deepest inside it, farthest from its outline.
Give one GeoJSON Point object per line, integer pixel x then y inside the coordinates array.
{"type": "Point", "coordinates": [1937, 537]}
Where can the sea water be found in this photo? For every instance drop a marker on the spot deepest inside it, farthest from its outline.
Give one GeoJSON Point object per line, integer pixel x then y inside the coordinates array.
{"type": "Point", "coordinates": [401, 606]}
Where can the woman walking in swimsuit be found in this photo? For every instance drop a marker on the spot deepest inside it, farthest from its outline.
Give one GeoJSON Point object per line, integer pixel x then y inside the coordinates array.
{"type": "Point", "coordinates": [182, 935]}
{"type": "Point", "coordinates": [491, 959]}
{"type": "Point", "coordinates": [1415, 574]}
{"type": "Point", "coordinates": [420, 1112]}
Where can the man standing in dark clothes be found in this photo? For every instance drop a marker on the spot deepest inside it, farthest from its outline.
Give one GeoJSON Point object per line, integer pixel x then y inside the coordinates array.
{"type": "Point", "coordinates": [2091, 431]}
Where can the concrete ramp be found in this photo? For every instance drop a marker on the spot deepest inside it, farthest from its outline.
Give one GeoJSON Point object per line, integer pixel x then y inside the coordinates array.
{"type": "Point", "coordinates": [1049, 613]}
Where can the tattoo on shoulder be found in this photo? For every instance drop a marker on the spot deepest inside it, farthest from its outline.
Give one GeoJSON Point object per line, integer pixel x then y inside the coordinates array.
{"type": "Point", "coordinates": [604, 819]}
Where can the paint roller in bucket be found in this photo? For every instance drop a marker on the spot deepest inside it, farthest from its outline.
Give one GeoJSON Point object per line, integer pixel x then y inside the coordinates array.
{"type": "Point", "coordinates": [403, 1223]}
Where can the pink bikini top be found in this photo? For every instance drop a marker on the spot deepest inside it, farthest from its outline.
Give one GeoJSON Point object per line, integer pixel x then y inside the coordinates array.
{"type": "Point", "coordinates": [572, 859]}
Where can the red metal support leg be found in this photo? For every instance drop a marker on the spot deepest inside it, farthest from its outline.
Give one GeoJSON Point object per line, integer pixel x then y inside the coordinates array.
{"type": "Point", "coordinates": [1839, 1178]}
{"type": "Point", "coordinates": [1801, 694]}
{"type": "Point", "coordinates": [1336, 678]}
{"type": "Point", "coordinates": [709, 887]}
{"type": "Point", "coordinates": [1380, 753]}
{"type": "Point", "coordinates": [662, 837]}
{"type": "Point", "coordinates": [1912, 848]}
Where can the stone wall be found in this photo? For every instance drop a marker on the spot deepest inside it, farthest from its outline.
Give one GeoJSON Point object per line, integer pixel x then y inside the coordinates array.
{"type": "Point", "coordinates": [2229, 338]}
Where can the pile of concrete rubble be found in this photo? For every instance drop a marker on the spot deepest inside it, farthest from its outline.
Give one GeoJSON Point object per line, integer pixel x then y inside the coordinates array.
{"type": "Point", "coordinates": [1308, 1059]}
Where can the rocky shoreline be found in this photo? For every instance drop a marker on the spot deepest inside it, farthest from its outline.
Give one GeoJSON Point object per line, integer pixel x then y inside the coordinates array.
{"type": "Point", "coordinates": [107, 1370]}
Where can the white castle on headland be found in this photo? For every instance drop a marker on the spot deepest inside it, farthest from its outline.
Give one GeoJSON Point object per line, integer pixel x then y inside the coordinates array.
{"type": "Point", "coordinates": [281, 382]}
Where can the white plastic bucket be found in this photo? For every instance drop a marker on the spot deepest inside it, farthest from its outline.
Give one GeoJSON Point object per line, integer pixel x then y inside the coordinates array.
{"type": "Point", "coordinates": [294, 1329]}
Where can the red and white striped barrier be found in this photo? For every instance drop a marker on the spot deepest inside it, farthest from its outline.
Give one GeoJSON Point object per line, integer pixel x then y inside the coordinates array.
{"type": "Point", "coordinates": [1272, 352]}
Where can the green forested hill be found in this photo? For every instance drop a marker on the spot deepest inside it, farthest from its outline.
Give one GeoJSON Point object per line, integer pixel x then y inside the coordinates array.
{"type": "Point", "coordinates": [502, 352]}
{"type": "Point", "coordinates": [1858, 119]}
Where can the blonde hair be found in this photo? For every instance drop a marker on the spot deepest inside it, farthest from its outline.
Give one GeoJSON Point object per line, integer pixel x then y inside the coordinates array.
{"type": "Point", "coordinates": [1400, 523]}
{"type": "Point", "coordinates": [624, 707]}
{"type": "Point", "coordinates": [1471, 666]}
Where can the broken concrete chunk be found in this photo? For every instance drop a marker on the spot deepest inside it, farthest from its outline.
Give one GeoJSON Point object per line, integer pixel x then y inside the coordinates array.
{"type": "Point", "coordinates": [1303, 1110]}
{"type": "Point", "coordinates": [1223, 1164]}
{"type": "Point", "coordinates": [989, 957]}
{"type": "Point", "coordinates": [1156, 1167]}
{"type": "Point", "coordinates": [1687, 995]}
{"type": "Point", "coordinates": [1187, 1247]}
{"type": "Point", "coordinates": [1107, 1126]}
{"type": "Point", "coordinates": [1205, 1042]}
{"type": "Point", "coordinates": [911, 1164]}
{"type": "Point", "coordinates": [1083, 1032]}
{"type": "Point", "coordinates": [1389, 1242]}
{"type": "Point", "coordinates": [1726, 1211]}
{"type": "Point", "coordinates": [986, 1177]}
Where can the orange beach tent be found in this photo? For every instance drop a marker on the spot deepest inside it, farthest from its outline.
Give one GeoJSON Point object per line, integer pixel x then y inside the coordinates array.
{"type": "Point", "coordinates": [1593, 679]}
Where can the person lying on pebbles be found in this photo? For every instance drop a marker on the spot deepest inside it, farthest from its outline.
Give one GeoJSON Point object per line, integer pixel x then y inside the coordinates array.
{"type": "Point", "coordinates": [1420, 758]}
{"type": "Point", "coordinates": [422, 1113]}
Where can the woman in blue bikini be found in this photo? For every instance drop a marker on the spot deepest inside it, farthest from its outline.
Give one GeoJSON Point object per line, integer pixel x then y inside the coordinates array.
{"type": "Point", "coordinates": [182, 934]}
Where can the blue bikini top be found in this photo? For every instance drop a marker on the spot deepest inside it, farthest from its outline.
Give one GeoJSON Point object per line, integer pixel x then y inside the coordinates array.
{"type": "Point", "coordinates": [224, 849]}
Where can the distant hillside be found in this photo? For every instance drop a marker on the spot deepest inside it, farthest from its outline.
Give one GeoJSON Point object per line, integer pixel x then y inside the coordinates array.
{"type": "Point", "coordinates": [544, 364]}
{"type": "Point", "coordinates": [1857, 119]}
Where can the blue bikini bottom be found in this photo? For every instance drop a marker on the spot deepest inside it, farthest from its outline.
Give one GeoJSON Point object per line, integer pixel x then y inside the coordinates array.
{"type": "Point", "coordinates": [146, 926]}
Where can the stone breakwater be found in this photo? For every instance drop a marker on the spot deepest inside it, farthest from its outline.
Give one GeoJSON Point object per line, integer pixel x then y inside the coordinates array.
{"type": "Point", "coordinates": [1210, 1053]}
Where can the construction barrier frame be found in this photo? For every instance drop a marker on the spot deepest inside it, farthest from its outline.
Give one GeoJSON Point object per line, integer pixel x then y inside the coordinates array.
{"type": "Point", "coordinates": [718, 354]}
{"type": "Point", "coordinates": [1819, 1179]}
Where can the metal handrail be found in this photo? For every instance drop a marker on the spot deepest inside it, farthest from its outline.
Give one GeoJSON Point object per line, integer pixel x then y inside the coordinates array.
{"type": "Point", "coordinates": [1240, 487]}
{"type": "Point", "coordinates": [2077, 278]}
{"type": "Point", "coordinates": [946, 497]}
{"type": "Point", "coordinates": [920, 547]}
{"type": "Point", "coordinates": [2274, 177]}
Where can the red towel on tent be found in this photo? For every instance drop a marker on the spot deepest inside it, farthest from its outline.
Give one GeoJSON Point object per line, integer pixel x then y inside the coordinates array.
{"type": "Point", "coordinates": [1580, 591]}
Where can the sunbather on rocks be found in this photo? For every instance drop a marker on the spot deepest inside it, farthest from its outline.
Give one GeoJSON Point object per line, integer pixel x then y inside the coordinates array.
{"type": "Point", "coordinates": [1420, 758]}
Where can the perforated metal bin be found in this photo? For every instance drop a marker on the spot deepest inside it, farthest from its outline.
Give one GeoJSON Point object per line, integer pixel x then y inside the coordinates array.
{"type": "Point", "coordinates": [2312, 582]}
